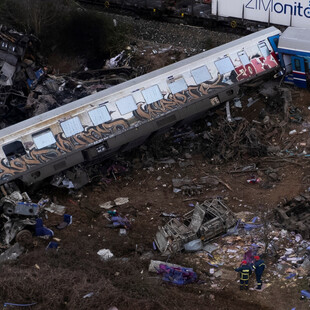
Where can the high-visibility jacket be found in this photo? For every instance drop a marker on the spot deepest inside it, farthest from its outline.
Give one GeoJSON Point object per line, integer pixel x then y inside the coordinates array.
{"type": "Point", "coordinates": [245, 272]}
{"type": "Point", "coordinates": [259, 267]}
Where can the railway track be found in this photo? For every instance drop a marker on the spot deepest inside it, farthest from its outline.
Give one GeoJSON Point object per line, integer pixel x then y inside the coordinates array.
{"type": "Point", "coordinates": [167, 17]}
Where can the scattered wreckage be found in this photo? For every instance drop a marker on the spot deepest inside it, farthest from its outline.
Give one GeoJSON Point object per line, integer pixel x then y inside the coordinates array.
{"type": "Point", "coordinates": [18, 218]}
{"type": "Point", "coordinates": [21, 219]}
{"type": "Point", "coordinates": [294, 215]}
{"type": "Point", "coordinates": [105, 130]}
{"type": "Point", "coordinates": [29, 87]}
{"type": "Point", "coordinates": [206, 221]}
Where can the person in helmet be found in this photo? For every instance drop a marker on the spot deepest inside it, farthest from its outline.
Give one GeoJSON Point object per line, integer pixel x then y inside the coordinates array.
{"type": "Point", "coordinates": [259, 267]}
{"type": "Point", "coordinates": [245, 272]}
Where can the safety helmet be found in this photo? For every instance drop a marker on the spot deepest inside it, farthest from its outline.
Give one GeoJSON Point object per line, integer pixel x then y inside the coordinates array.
{"type": "Point", "coordinates": [256, 257]}
{"type": "Point", "coordinates": [244, 262]}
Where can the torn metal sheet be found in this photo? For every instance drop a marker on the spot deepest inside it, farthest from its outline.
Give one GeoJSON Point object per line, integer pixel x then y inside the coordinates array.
{"type": "Point", "coordinates": [197, 218]}
{"type": "Point", "coordinates": [6, 74]}
{"type": "Point", "coordinates": [19, 218]}
{"type": "Point", "coordinates": [12, 253]}
{"type": "Point", "coordinates": [295, 215]}
{"type": "Point", "coordinates": [22, 208]}
{"type": "Point", "coordinates": [121, 200]}
{"type": "Point", "coordinates": [55, 208]}
{"type": "Point", "coordinates": [208, 220]}
{"type": "Point", "coordinates": [107, 205]}
{"type": "Point", "coordinates": [12, 227]}
{"type": "Point", "coordinates": [61, 181]}
{"type": "Point", "coordinates": [116, 202]}
{"type": "Point", "coordinates": [8, 58]}
{"type": "Point", "coordinates": [14, 205]}
{"type": "Point", "coordinates": [229, 118]}
{"type": "Point", "coordinates": [113, 62]}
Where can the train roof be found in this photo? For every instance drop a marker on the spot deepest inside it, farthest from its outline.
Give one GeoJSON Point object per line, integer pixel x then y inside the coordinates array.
{"type": "Point", "coordinates": [295, 39]}
{"type": "Point", "coordinates": [130, 85]}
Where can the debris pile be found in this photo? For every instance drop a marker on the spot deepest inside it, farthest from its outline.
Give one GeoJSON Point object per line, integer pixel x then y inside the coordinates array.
{"type": "Point", "coordinates": [21, 219]}
{"type": "Point", "coordinates": [227, 141]}
{"type": "Point", "coordinates": [287, 253]}
{"type": "Point", "coordinates": [294, 215]}
{"type": "Point", "coordinates": [29, 87]}
{"type": "Point", "coordinates": [206, 221]}
{"type": "Point", "coordinates": [177, 275]}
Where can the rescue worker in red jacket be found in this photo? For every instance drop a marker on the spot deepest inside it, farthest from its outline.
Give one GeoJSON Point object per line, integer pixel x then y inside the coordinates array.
{"type": "Point", "coordinates": [245, 272]}
{"type": "Point", "coordinates": [259, 267]}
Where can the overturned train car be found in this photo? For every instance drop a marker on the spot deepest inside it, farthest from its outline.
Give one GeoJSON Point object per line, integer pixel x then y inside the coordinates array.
{"type": "Point", "coordinates": [123, 116]}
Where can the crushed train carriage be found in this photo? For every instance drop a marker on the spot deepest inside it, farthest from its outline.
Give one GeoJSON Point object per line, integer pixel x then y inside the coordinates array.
{"type": "Point", "coordinates": [206, 221]}
{"type": "Point", "coordinates": [124, 116]}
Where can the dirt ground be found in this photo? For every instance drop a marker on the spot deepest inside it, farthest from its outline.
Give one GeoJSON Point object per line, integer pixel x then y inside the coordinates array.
{"type": "Point", "coordinates": [74, 276]}
{"type": "Point", "coordinates": [60, 279]}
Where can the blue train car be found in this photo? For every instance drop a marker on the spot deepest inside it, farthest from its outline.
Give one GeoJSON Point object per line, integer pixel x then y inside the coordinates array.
{"type": "Point", "coordinates": [294, 54]}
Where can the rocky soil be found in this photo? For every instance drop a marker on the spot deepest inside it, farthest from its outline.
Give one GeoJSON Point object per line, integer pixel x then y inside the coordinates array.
{"type": "Point", "coordinates": [194, 39]}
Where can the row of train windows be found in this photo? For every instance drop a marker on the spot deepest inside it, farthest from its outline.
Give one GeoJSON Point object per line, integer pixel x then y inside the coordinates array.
{"type": "Point", "coordinates": [127, 104]}
{"type": "Point", "coordinates": [152, 94]}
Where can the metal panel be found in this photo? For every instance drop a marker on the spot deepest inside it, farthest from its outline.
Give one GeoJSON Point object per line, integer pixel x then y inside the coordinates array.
{"type": "Point", "coordinates": [197, 218]}
{"type": "Point", "coordinates": [296, 39]}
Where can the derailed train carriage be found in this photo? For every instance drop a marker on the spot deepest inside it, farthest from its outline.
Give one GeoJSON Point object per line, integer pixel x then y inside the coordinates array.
{"type": "Point", "coordinates": [124, 116]}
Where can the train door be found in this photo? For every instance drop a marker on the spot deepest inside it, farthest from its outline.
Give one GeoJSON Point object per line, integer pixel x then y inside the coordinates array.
{"type": "Point", "coordinates": [300, 70]}
{"type": "Point", "coordinates": [274, 41]}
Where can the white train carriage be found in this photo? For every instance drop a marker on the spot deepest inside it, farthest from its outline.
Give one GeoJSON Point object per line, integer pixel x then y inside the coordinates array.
{"type": "Point", "coordinates": [123, 116]}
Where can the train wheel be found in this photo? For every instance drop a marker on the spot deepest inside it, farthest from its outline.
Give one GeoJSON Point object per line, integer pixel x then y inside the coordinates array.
{"type": "Point", "coordinates": [233, 24]}
{"type": "Point", "coordinates": [24, 238]}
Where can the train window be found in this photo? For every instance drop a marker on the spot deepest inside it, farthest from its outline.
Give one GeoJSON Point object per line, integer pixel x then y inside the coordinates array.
{"type": "Point", "coordinates": [71, 127]}
{"type": "Point", "coordinates": [43, 139]}
{"type": "Point", "coordinates": [201, 75]}
{"type": "Point", "coordinates": [152, 94]}
{"type": "Point", "coordinates": [297, 65]}
{"type": "Point", "coordinates": [243, 58]}
{"type": "Point", "coordinates": [99, 115]}
{"type": "Point", "coordinates": [14, 150]}
{"type": "Point", "coordinates": [126, 105]}
{"type": "Point", "coordinates": [263, 49]}
{"type": "Point", "coordinates": [224, 65]}
{"type": "Point", "coordinates": [177, 86]}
